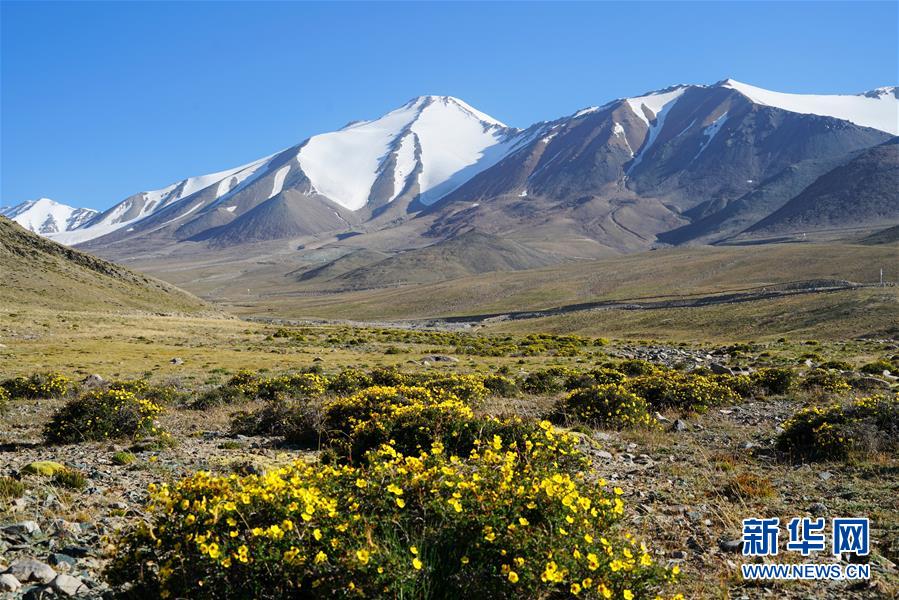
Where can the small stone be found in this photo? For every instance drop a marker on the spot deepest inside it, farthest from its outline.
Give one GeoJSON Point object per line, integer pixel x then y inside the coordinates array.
{"type": "Point", "coordinates": [732, 546]}
{"type": "Point", "coordinates": [29, 569]}
{"type": "Point", "coordinates": [694, 545]}
{"type": "Point", "coordinates": [177, 361]}
{"type": "Point", "coordinates": [76, 551]}
{"type": "Point", "coordinates": [678, 554]}
{"type": "Point", "coordinates": [679, 425]}
{"type": "Point", "coordinates": [67, 585]}
{"type": "Point", "coordinates": [22, 528]}
{"type": "Point", "coordinates": [825, 475]}
{"type": "Point", "coordinates": [9, 583]}
{"type": "Point", "coordinates": [604, 455]}
{"type": "Point", "coordinates": [93, 381]}
{"type": "Point", "coordinates": [59, 559]}
{"type": "Point", "coordinates": [661, 418]}
{"type": "Point", "coordinates": [818, 509]}
{"type": "Point", "coordinates": [440, 358]}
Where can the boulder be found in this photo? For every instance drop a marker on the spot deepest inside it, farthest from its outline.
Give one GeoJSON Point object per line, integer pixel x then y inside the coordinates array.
{"type": "Point", "coordinates": [67, 585]}
{"type": "Point", "coordinates": [29, 569]}
{"type": "Point", "coordinates": [9, 583]}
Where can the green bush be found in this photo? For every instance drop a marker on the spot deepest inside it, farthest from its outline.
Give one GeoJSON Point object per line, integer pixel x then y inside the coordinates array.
{"type": "Point", "coordinates": [545, 381]}
{"type": "Point", "coordinates": [877, 367]}
{"type": "Point", "coordinates": [495, 524]}
{"type": "Point", "coordinates": [71, 479]}
{"type": "Point", "coordinates": [349, 381]}
{"type": "Point", "coordinates": [100, 415]}
{"type": "Point", "coordinates": [773, 381]}
{"type": "Point", "coordinates": [225, 395]}
{"type": "Point", "coordinates": [593, 377]}
{"type": "Point", "coordinates": [608, 405]}
{"type": "Point", "coordinates": [11, 488]}
{"type": "Point", "coordinates": [865, 426]}
{"type": "Point", "coordinates": [498, 385]}
{"type": "Point", "coordinates": [297, 421]}
{"type": "Point", "coordinates": [4, 400]}
{"type": "Point", "coordinates": [123, 458]}
{"type": "Point", "coordinates": [634, 367]}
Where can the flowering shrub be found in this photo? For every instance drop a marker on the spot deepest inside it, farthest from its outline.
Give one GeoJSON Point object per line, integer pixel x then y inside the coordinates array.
{"type": "Point", "coordinates": [408, 417]}
{"type": "Point", "coordinates": [4, 400]}
{"type": "Point", "coordinates": [837, 432]}
{"type": "Point", "coordinates": [608, 405]}
{"type": "Point", "coordinates": [497, 523]}
{"type": "Point", "coordinates": [468, 388]}
{"type": "Point", "coordinates": [39, 385]}
{"type": "Point", "coordinates": [825, 381]}
{"type": "Point", "coordinates": [686, 391]}
{"type": "Point", "coordinates": [100, 415]}
{"type": "Point", "coordinates": [298, 421]}
{"type": "Point", "coordinates": [299, 385]}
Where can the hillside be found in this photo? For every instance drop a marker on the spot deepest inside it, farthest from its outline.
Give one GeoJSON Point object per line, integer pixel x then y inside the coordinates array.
{"type": "Point", "coordinates": [39, 273]}
{"type": "Point", "coordinates": [471, 253]}
{"type": "Point", "coordinates": [863, 192]}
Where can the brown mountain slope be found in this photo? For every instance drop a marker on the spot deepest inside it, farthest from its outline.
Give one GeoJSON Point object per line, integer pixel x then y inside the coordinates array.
{"type": "Point", "coordinates": [39, 273]}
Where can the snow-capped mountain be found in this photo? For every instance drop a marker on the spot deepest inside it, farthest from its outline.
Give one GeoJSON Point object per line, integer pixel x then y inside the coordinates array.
{"type": "Point", "coordinates": [683, 162]}
{"type": "Point", "coordinates": [47, 217]}
{"type": "Point", "coordinates": [414, 154]}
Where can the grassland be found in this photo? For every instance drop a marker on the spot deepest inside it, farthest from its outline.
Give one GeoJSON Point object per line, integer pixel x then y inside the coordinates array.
{"type": "Point", "coordinates": [686, 488]}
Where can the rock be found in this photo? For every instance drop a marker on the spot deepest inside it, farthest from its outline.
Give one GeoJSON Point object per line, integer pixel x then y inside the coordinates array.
{"type": "Point", "coordinates": [694, 545]}
{"type": "Point", "coordinates": [9, 583]}
{"type": "Point", "coordinates": [871, 383]}
{"type": "Point", "coordinates": [825, 475]}
{"type": "Point", "coordinates": [679, 425]}
{"type": "Point", "coordinates": [440, 358]}
{"type": "Point", "coordinates": [93, 381]}
{"type": "Point", "coordinates": [733, 546]}
{"type": "Point", "coordinates": [22, 528]}
{"type": "Point", "coordinates": [76, 551]}
{"type": "Point", "coordinates": [59, 559]}
{"type": "Point", "coordinates": [63, 528]}
{"type": "Point", "coordinates": [29, 569]}
{"type": "Point", "coordinates": [177, 361]}
{"type": "Point", "coordinates": [45, 468]}
{"type": "Point", "coordinates": [67, 585]}
{"type": "Point", "coordinates": [661, 418]}
{"type": "Point", "coordinates": [818, 509]}
{"type": "Point", "coordinates": [719, 369]}
{"type": "Point", "coordinates": [604, 455]}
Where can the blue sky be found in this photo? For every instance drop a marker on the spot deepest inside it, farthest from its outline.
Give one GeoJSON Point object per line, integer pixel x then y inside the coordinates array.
{"type": "Point", "coordinates": [102, 100]}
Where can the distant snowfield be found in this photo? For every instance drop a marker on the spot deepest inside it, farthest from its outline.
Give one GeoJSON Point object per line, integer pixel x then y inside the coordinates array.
{"type": "Point", "coordinates": [879, 113]}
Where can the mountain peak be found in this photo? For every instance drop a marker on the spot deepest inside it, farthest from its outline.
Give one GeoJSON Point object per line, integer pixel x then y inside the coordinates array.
{"type": "Point", "coordinates": [46, 216]}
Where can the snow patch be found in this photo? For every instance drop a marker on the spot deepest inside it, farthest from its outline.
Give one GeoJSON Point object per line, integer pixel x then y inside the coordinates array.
{"type": "Point", "coordinates": [278, 183]}
{"type": "Point", "coordinates": [710, 132]}
{"type": "Point", "coordinates": [879, 112]}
